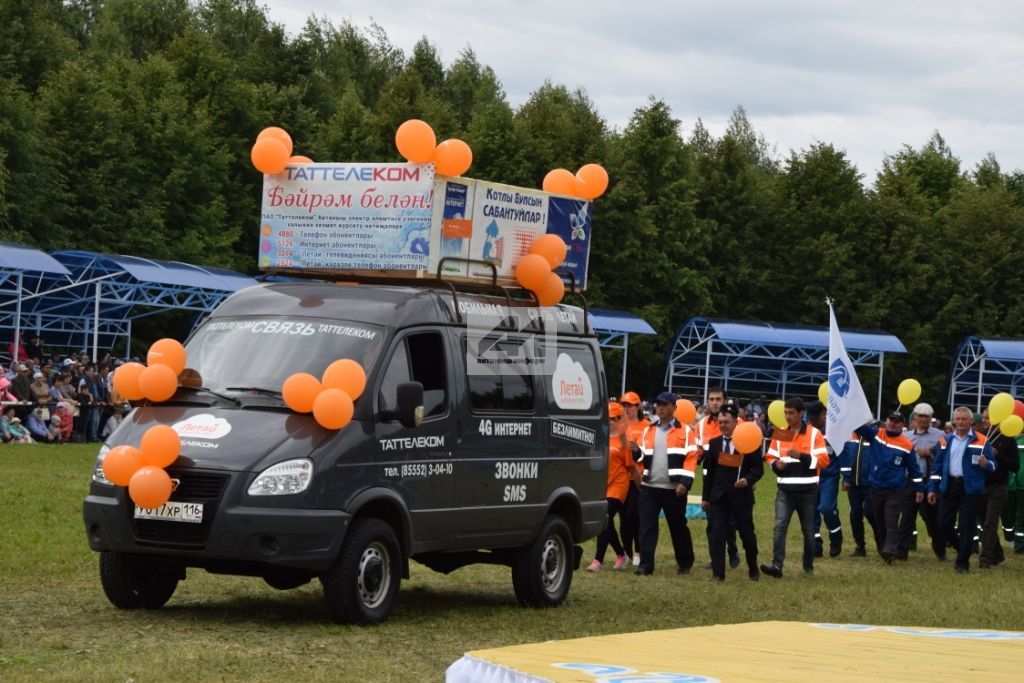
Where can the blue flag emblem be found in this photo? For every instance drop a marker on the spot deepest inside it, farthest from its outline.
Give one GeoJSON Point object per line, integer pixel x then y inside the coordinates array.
{"type": "Point", "coordinates": [839, 377]}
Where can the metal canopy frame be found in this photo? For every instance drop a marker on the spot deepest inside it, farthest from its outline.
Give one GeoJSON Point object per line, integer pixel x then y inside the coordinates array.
{"type": "Point", "coordinates": [766, 358]}
{"type": "Point", "coordinates": [90, 299]}
{"type": "Point", "coordinates": [613, 329]}
{"type": "Point", "coordinates": [983, 367]}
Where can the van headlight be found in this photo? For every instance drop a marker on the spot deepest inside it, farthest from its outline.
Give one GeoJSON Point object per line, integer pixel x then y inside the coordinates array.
{"type": "Point", "coordinates": [283, 479]}
{"type": "Point", "coordinates": [97, 469]}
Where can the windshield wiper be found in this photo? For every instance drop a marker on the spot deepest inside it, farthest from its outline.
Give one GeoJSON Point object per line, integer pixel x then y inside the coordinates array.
{"type": "Point", "coordinates": [256, 390]}
{"type": "Point", "coordinates": [212, 393]}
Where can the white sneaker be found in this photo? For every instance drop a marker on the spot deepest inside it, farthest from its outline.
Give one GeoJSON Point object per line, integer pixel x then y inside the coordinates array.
{"type": "Point", "coordinates": [636, 559]}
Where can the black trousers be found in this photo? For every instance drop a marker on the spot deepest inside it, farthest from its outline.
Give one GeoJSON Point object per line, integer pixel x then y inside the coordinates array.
{"type": "Point", "coordinates": [890, 507]}
{"type": "Point", "coordinates": [652, 502]}
{"type": "Point", "coordinates": [860, 508]}
{"type": "Point", "coordinates": [930, 514]}
{"type": "Point", "coordinates": [615, 507]}
{"type": "Point", "coordinates": [954, 504]}
{"type": "Point", "coordinates": [722, 516]}
{"type": "Point", "coordinates": [631, 521]}
{"type": "Point", "coordinates": [993, 498]}
{"type": "Point", "coordinates": [730, 532]}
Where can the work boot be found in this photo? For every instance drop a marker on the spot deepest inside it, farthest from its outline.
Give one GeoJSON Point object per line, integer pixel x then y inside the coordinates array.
{"type": "Point", "coordinates": [860, 551]}
{"type": "Point", "coordinates": [771, 570]}
{"type": "Point", "coordinates": [835, 547]}
{"type": "Point", "coordinates": [734, 560]}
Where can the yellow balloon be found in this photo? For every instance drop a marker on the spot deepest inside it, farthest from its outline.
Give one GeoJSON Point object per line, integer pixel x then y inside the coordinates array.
{"type": "Point", "coordinates": [823, 392]}
{"type": "Point", "coordinates": [910, 390]}
{"type": "Point", "coordinates": [1011, 426]}
{"type": "Point", "coordinates": [1000, 408]}
{"type": "Point", "coordinates": [777, 413]}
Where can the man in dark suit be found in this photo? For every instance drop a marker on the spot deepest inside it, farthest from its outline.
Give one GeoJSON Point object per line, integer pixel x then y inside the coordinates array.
{"type": "Point", "coordinates": [729, 492]}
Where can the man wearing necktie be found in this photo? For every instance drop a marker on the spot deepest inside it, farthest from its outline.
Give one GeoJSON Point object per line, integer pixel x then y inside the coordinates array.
{"type": "Point", "coordinates": [729, 493]}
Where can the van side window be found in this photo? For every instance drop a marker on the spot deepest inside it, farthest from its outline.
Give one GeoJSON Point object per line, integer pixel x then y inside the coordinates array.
{"type": "Point", "coordinates": [427, 358]}
{"type": "Point", "coordinates": [418, 358]}
{"type": "Point", "coordinates": [508, 389]}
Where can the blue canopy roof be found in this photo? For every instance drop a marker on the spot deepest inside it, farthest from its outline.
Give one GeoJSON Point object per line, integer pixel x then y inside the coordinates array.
{"type": "Point", "coordinates": [618, 321]}
{"type": "Point", "coordinates": [1003, 349]}
{"type": "Point", "coordinates": [18, 257]}
{"type": "Point", "coordinates": [983, 367]}
{"type": "Point", "coordinates": [776, 334]}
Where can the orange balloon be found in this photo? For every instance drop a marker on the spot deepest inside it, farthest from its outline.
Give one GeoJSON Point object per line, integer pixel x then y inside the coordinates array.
{"type": "Point", "coordinates": [299, 391]}
{"type": "Point", "coordinates": [552, 291]}
{"type": "Point", "coordinates": [551, 247]}
{"type": "Point", "coordinates": [532, 271]}
{"type": "Point", "coordinates": [299, 159]}
{"type": "Point", "coordinates": [560, 181]}
{"type": "Point", "coordinates": [333, 408]}
{"type": "Point", "coordinates": [593, 181]}
{"type": "Point", "coordinates": [158, 383]}
{"type": "Point", "coordinates": [279, 134]}
{"type": "Point", "coordinates": [269, 155]}
{"type": "Point", "coordinates": [747, 437]}
{"type": "Point", "coordinates": [160, 446]}
{"type": "Point", "coordinates": [416, 141]}
{"type": "Point", "coordinates": [150, 487]}
{"type": "Point", "coordinates": [126, 381]}
{"type": "Point", "coordinates": [167, 352]}
{"type": "Point", "coordinates": [453, 157]}
{"type": "Point", "coordinates": [120, 463]}
{"type": "Point", "coordinates": [685, 412]}
{"type": "Point", "coordinates": [347, 375]}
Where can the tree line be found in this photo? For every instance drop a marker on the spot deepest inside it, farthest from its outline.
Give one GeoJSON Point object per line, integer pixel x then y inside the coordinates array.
{"type": "Point", "coordinates": [125, 127]}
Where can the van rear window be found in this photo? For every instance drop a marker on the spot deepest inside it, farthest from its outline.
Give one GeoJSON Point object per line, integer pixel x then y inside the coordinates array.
{"type": "Point", "coordinates": [504, 388]}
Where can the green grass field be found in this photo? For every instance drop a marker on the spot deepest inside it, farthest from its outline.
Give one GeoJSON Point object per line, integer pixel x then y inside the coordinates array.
{"type": "Point", "coordinates": [57, 624]}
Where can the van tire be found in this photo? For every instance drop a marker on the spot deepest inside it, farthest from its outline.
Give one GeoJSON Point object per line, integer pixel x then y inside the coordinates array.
{"type": "Point", "coordinates": [361, 586]}
{"type": "Point", "coordinates": [131, 581]}
{"type": "Point", "coordinates": [542, 570]}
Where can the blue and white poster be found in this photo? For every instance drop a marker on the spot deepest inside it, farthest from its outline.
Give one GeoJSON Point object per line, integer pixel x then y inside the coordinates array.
{"type": "Point", "coordinates": [570, 220]}
{"type": "Point", "coordinates": [347, 217]}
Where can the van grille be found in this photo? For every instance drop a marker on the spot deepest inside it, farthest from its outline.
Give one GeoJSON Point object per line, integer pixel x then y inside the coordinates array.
{"type": "Point", "coordinates": [194, 487]}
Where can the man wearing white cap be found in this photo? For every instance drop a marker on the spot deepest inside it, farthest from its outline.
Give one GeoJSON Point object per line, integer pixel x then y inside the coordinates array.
{"type": "Point", "coordinates": [926, 440]}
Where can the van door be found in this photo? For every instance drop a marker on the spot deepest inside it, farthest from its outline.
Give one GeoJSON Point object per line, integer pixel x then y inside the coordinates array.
{"type": "Point", "coordinates": [499, 461]}
{"type": "Point", "coordinates": [417, 462]}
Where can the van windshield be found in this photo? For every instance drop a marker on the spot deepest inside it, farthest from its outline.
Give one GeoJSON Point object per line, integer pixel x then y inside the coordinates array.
{"type": "Point", "coordinates": [262, 352]}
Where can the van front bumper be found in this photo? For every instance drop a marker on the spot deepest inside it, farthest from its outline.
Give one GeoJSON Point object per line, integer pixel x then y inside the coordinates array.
{"type": "Point", "coordinates": [238, 535]}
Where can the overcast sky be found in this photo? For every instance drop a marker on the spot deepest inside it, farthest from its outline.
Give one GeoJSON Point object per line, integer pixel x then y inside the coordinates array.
{"type": "Point", "coordinates": [866, 76]}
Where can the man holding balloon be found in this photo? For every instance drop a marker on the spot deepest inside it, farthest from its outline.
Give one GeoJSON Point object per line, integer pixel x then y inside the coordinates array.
{"type": "Point", "coordinates": [993, 497]}
{"type": "Point", "coordinates": [733, 465]}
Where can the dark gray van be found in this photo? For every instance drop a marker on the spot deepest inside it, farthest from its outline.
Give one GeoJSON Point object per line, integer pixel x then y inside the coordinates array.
{"type": "Point", "coordinates": [442, 463]}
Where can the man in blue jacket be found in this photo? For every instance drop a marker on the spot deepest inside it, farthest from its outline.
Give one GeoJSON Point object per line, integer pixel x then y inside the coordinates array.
{"type": "Point", "coordinates": [894, 472]}
{"type": "Point", "coordinates": [958, 475]}
{"type": "Point", "coordinates": [855, 465]}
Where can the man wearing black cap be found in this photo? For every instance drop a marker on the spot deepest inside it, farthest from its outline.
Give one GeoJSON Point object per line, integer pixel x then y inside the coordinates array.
{"type": "Point", "coordinates": [893, 470]}
{"type": "Point", "coordinates": [729, 493]}
{"type": "Point", "coordinates": [668, 451]}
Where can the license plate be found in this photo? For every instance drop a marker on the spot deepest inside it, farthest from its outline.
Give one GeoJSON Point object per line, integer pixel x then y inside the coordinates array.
{"type": "Point", "coordinates": [173, 512]}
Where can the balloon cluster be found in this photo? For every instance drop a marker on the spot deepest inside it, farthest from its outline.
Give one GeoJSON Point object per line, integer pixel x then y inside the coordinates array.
{"type": "Point", "coordinates": [1004, 411]}
{"type": "Point", "coordinates": [416, 142]}
{"type": "Point", "coordinates": [535, 271]}
{"type": "Point", "coordinates": [331, 399]}
{"type": "Point", "coordinates": [589, 182]}
{"type": "Point", "coordinates": [142, 469]}
{"type": "Point", "coordinates": [158, 381]}
{"type": "Point", "coordinates": [273, 151]}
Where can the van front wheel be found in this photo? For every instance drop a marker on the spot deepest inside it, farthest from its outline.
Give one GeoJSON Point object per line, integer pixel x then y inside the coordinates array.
{"type": "Point", "coordinates": [360, 587]}
{"type": "Point", "coordinates": [541, 571]}
{"type": "Point", "coordinates": [134, 581]}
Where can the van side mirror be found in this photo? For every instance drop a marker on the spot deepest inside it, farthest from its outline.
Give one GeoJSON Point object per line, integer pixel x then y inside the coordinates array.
{"type": "Point", "coordinates": [409, 404]}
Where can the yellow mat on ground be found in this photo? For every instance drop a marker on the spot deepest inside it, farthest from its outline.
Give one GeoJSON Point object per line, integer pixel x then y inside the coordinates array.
{"type": "Point", "coordinates": [763, 651]}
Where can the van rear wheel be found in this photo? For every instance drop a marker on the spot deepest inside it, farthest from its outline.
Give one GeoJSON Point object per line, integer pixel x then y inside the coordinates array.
{"type": "Point", "coordinates": [542, 571]}
{"type": "Point", "coordinates": [360, 587]}
{"type": "Point", "coordinates": [134, 581]}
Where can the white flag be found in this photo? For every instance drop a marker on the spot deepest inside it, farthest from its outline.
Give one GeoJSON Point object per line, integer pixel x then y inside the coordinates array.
{"type": "Point", "coordinates": [847, 406]}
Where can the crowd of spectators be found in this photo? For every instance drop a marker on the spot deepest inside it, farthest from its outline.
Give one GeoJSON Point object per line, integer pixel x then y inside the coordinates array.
{"type": "Point", "coordinates": [56, 398]}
